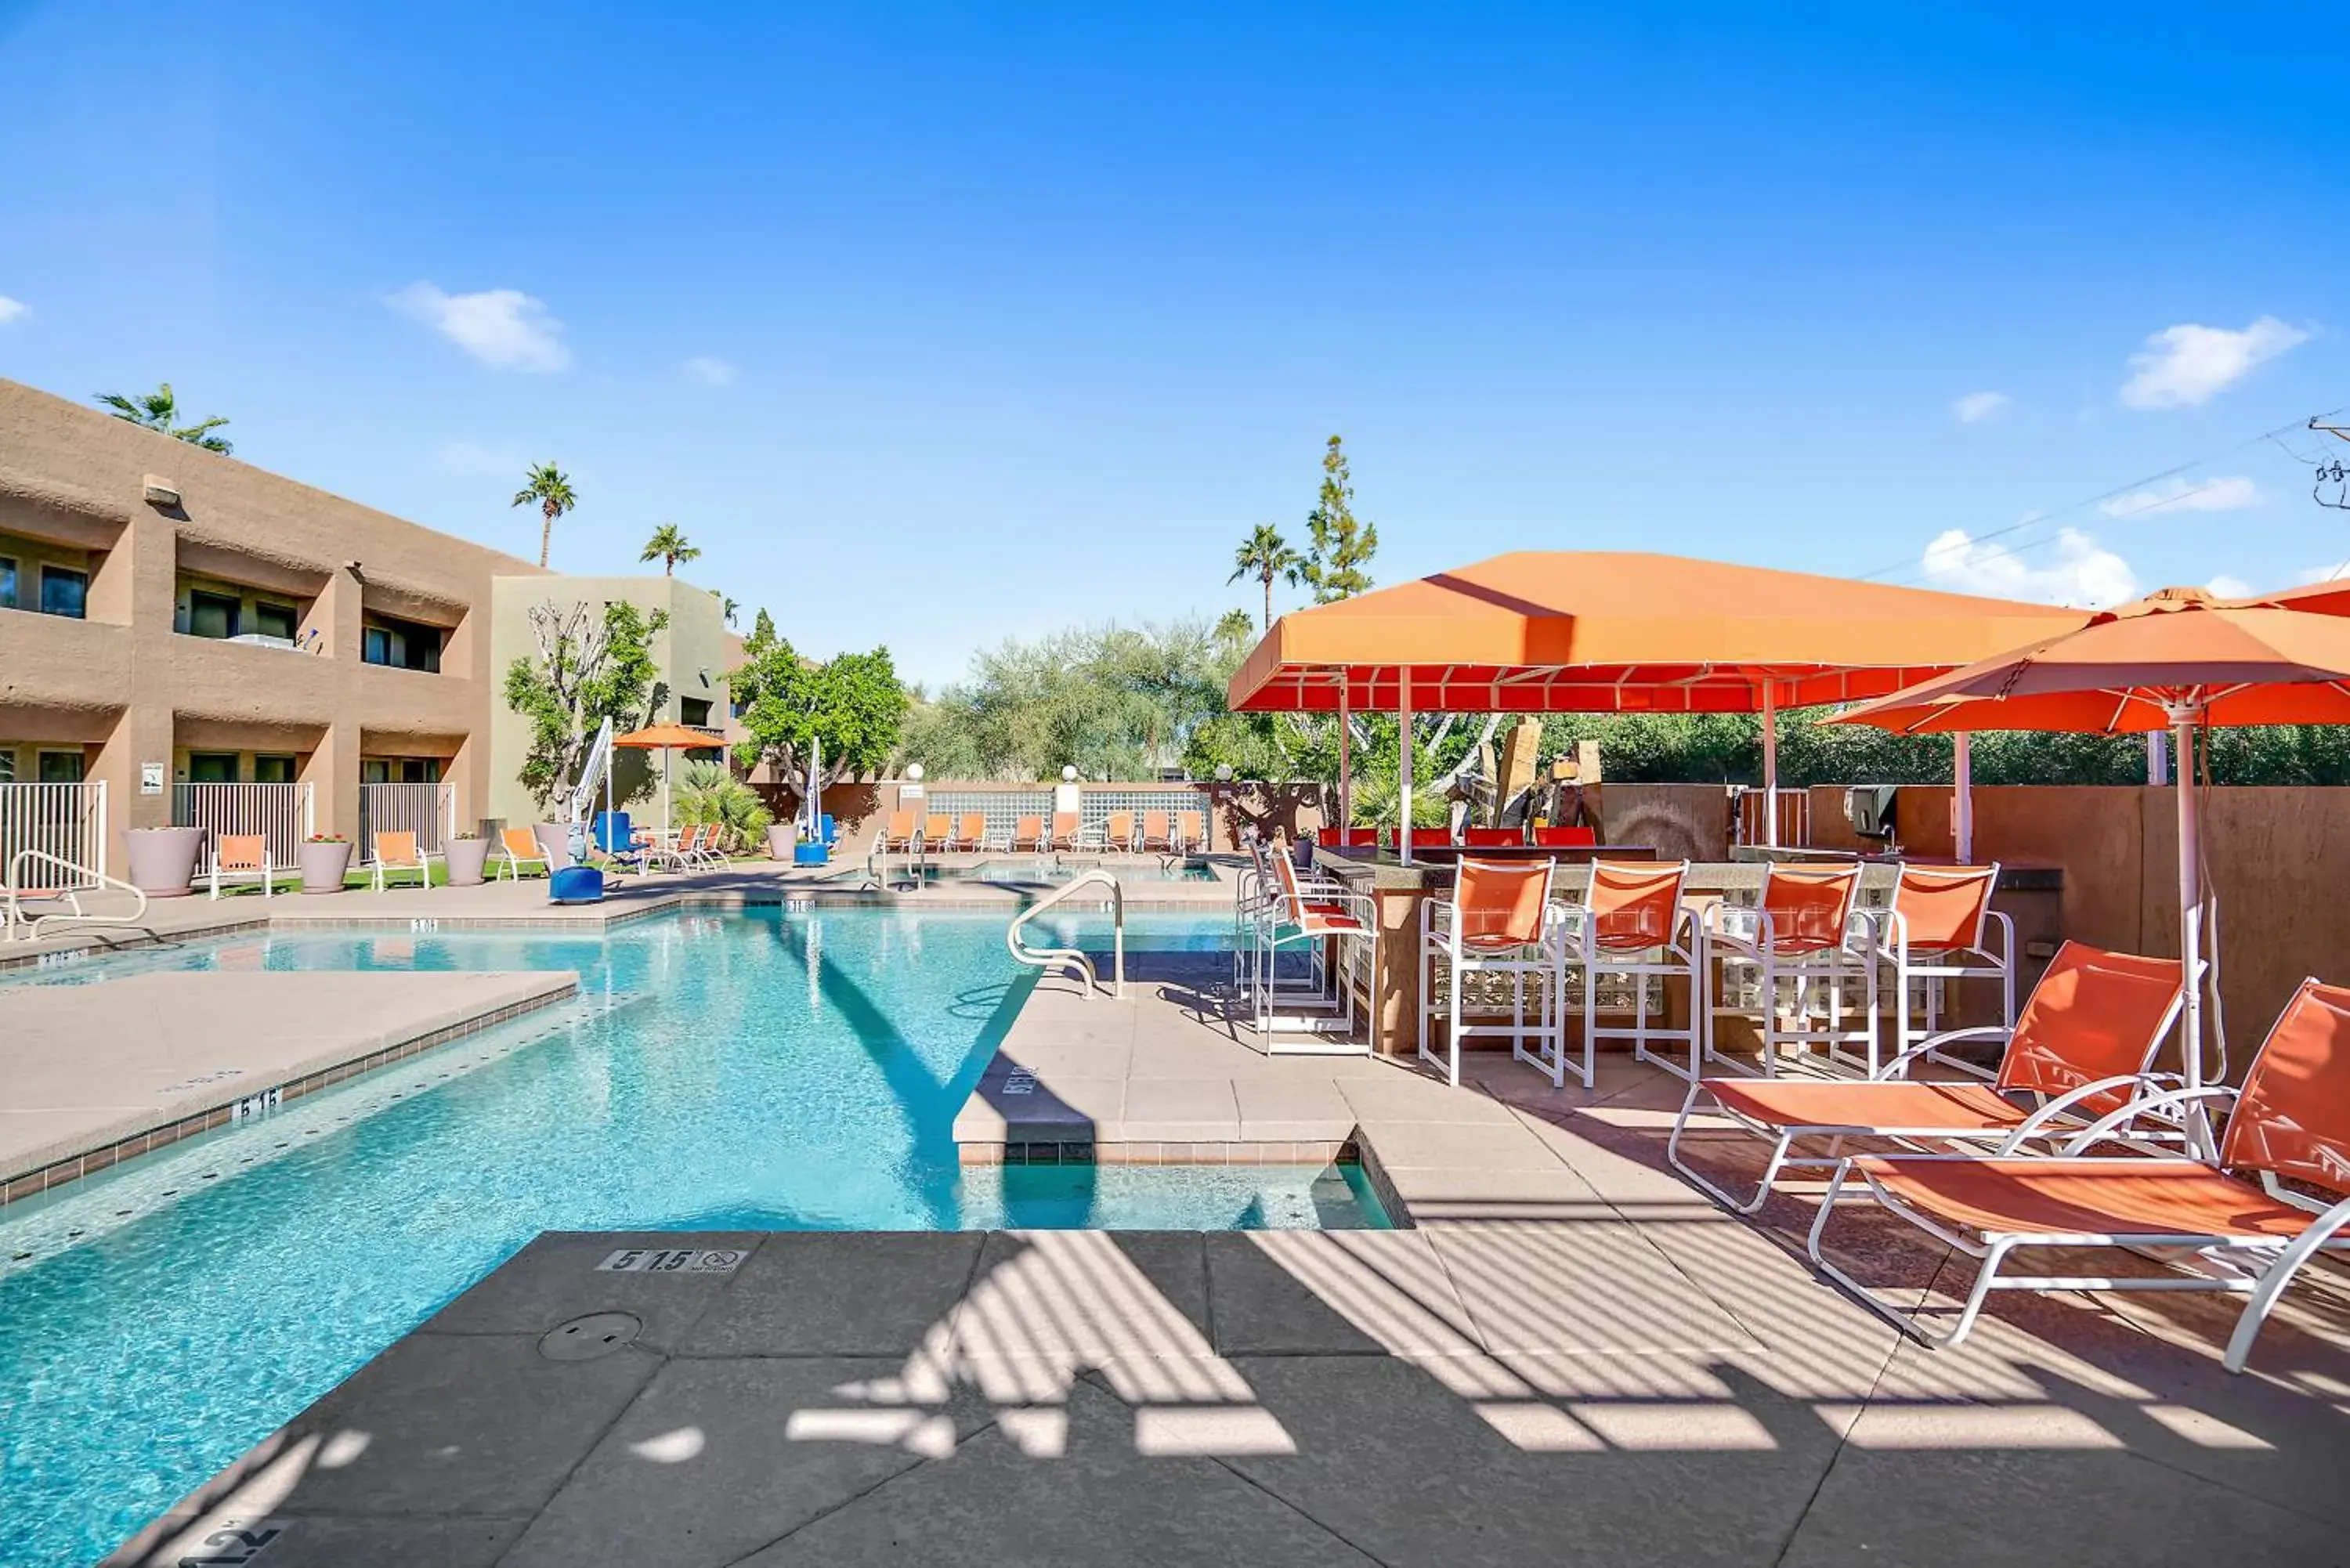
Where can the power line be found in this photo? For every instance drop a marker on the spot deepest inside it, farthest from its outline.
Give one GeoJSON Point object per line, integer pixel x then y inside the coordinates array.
{"type": "Point", "coordinates": [2037, 519]}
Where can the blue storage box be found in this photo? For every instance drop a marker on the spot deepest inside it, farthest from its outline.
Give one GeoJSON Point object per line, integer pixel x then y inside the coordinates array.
{"type": "Point", "coordinates": [575, 885]}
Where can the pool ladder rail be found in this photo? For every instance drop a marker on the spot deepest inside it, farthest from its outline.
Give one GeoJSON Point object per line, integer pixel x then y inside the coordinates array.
{"type": "Point", "coordinates": [81, 879]}
{"type": "Point", "coordinates": [1069, 960]}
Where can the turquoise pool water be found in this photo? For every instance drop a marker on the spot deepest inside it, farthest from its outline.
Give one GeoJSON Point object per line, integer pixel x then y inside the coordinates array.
{"type": "Point", "coordinates": [761, 1071]}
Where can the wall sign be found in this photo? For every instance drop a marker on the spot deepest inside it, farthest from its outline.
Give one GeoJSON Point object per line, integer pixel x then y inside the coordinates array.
{"type": "Point", "coordinates": [151, 778]}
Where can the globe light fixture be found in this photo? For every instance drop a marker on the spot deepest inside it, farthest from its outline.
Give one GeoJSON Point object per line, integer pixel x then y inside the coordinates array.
{"type": "Point", "coordinates": [914, 772]}
{"type": "Point", "coordinates": [1223, 772]}
{"type": "Point", "coordinates": [1069, 773]}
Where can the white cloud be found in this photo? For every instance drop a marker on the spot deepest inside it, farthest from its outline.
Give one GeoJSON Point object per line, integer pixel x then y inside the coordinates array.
{"type": "Point", "coordinates": [2185, 366]}
{"type": "Point", "coordinates": [504, 329]}
{"type": "Point", "coordinates": [710, 370]}
{"type": "Point", "coordinates": [1977, 406]}
{"type": "Point", "coordinates": [11, 309]}
{"type": "Point", "coordinates": [2082, 572]}
{"type": "Point", "coordinates": [2232, 492]}
{"type": "Point", "coordinates": [2223, 586]}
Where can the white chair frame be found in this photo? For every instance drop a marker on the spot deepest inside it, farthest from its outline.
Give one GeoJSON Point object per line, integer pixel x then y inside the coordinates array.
{"type": "Point", "coordinates": [267, 873]}
{"type": "Point", "coordinates": [1544, 961]}
{"type": "Point", "coordinates": [1677, 957]}
{"type": "Point", "coordinates": [1321, 1016]}
{"type": "Point", "coordinates": [421, 866]}
{"type": "Point", "coordinates": [1736, 937]}
{"type": "Point", "coordinates": [1977, 961]}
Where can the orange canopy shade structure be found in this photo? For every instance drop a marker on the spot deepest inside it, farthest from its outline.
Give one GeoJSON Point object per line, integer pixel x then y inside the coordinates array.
{"type": "Point", "coordinates": [2177, 659]}
{"type": "Point", "coordinates": [1604, 631]}
{"type": "Point", "coordinates": [669, 737]}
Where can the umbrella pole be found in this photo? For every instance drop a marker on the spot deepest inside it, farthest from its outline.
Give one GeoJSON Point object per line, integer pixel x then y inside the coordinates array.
{"type": "Point", "coordinates": [1770, 763]}
{"type": "Point", "coordinates": [2190, 927]}
{"type": "Point", "coordinates": [1962, 796]}
{"type": "Point", "coordinates": [1346, 764]}
{"type": "Point", "coordinates": [1403, 781]}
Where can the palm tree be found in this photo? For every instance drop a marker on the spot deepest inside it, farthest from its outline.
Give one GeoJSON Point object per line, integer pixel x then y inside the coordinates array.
{"type": "Point", "coordinates": [669, 547]}
{"type": "Point", "coordinates": [1266, 556]}
{"type": "Point", "coordinates": [730, 609]}
{"type": "Point", "coordinates": [551, 488]}
{"type": "Point", "coordinates": [157, 409]}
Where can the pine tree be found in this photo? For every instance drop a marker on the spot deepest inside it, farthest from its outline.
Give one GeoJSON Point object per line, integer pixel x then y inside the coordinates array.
{"type": "Point", "coordinates": [1341, 545]}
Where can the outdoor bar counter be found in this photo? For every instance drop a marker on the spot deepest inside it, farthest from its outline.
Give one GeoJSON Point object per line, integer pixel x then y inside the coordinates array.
{"type": "Point", "coordinates": [2029, 895]}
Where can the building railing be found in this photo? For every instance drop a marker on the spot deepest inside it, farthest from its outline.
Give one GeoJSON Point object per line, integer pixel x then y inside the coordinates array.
{"type": "Point", "coordinates": [282, 814]}
{"type": "Point", "coordinates": [427, 810]}
{"type": "Point", "coordinates": [61, 822]}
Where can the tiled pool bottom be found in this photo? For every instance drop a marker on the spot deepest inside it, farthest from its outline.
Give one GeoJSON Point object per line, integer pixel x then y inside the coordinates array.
{"type": "Point", "coordinates": [755, 1072]}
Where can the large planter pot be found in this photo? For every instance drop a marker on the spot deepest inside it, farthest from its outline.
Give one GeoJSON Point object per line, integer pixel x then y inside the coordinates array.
{"type": "Point", "coordinates": [466, 857]}
{"type": "Point", "coordinates": [162, 860]}
{"type": "Point", "coordinates": [781, 838]}
{"type": "Point", "coordinates": [323, 866]}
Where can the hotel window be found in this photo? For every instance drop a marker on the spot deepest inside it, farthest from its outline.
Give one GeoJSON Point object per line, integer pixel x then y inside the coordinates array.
{"type": "Point", "coordinates": [402, 645]}
{"type": "Point", "coordinates": [212, 767]}
{"type": "Point", "coordinates": [273, 770]}
{"type": "Point", "coordinates": [60, 767]}
{"type": "Point", "coordinates": [7, 766]}
{"type": "Point", "coordinates": [399, 770]}
{"type": "Point", "coordinates": [64, 591]}
{"type": "Point", "coordinates": [693, 710]}
{"type": "Point", "coordinates": [212, 615]}
{"type": "Point", "coordinates": [276, 620]}
{"type": "Point", "coordinates": [7, 583]}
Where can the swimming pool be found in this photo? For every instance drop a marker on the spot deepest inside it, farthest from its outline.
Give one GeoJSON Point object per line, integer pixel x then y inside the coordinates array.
{"type": "Point", "coordinates": [1031, 870]}
{"type": "Point", "coordinates": [767, 1070]}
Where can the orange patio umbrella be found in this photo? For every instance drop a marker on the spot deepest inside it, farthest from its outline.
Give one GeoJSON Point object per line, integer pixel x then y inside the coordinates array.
{"type": "Point", "coordinates": [665, 738]}
{"type": "Point", "coordinates": [2178, 660]}
{"type": "Point", "coordinates": [1621, 632]}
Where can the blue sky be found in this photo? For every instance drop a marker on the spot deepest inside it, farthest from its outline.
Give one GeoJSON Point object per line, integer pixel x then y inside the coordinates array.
{"type": "Point", "coordinates": [935, 326]}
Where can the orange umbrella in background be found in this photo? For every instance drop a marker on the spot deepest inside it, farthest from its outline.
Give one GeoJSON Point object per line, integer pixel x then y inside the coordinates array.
{"type": "Point", "coordinates": [665, 738]}
{"type": "Point", "coordinates": [2178, 660]}
{"type": "Point", "coordinates": [1572, 631]}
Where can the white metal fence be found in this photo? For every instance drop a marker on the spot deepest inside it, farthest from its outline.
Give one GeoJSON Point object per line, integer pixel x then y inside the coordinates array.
{"type": "Point", "coordinates": [66, 820]}
{"type": "Point", "coordinates": [427, 810]}
{"type": "Point", "coordinates": [282, 814]}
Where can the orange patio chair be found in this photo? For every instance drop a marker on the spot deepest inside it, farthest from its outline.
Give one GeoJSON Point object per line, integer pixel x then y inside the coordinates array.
{"type": "Point", "coordinates": [938, 833]}
{"type": "Point", "coordinates": [1497, 921]}
{"type": "Point", "coordinates": [1805, 932]}
{"type": "Point", "coordinates": [1315, 915]}
{"type": "Point", "coordinates": [2291, 1123]}
{"type": "Point", "coordinates": [1158, 833]}
{"type": "Point", "coordinates": [244, 858]}
{"type": "Point", "coordinates": [898, 834]}
{"type": "Point", "coordinates": [2085, 1046]}
{"type": "Point", "coordinates": [1629, 925]}
{"type": "Point", "coordinates": [397, 853]}
{"type": "Point", "coordinates": [1117, 832]}
{"type": "Point", "coordinates": [1192, 826]}
{"type": "Point", "coordinates": [1940, 928]}
{"type": "Point", "coordinates": [520, 847]}
{"type": "Point", "coordinates": [971, 831]}
{"type": "Point", "coordinates": [1028, 833]}
{"type": "Point", "coordinates": [1065, 831]}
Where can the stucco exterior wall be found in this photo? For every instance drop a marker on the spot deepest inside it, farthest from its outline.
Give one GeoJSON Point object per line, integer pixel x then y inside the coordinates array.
{"type": "Point", "coordinates": [127, 689]}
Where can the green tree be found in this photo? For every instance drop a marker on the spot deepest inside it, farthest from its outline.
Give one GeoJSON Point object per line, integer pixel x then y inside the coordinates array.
{"type": "Point", "coordinates": [728, 609]}
{"type": "Point", "coordinates": [591, 665]}
{"type": "Point", "coordinates": [158, 411]}
{"type": "Point", "coordinates": [551, 489]}
{"type": "Point", "coordinates": [1264, 555]}
{"type": "Point", "coordinates": [762, 627]}
{"type": "Point", "coordinates": [850, 709]}
{"type": "Point", "coordinates": [708, 793]}
{"type": "Point", "coordinates": [1340, 547]}
{"type": "Point", "coordinates": [668, 546]}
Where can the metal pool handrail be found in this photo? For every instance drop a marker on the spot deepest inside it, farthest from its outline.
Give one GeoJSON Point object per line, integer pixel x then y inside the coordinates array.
{"type": "Point", "coordinates": [12, 912]}
{"type": "Point", "coordinates": [1069, 960]}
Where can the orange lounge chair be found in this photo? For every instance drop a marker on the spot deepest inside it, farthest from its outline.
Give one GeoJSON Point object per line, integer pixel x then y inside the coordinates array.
{"type": "Point", "coordinates": [2291, 1121]}
{"type": "Point", "coordinates": [2083, 1047]}
{"type": "Point", "coordinates": [1064, 830]}
{"type": "Point", "coordinates": [521, 848]}
{"type": "Point", "coordinates": [1192, 827]}
{"type": "Point", "coordinates": [244, 857]}
{"type": "Point", "coordinates": [938, 833]}
{"type": "Point", "coordinates": [1157, 833]}
{"type": "Point", "coordinates": [898, 834]}
{"type": "Point", "coordinates": [971, 831]}
{"type": "Point", "coordinates": [1497, 921]}
{"type": "Point", "coordinates": [397, 853]}
{"type": "Point", "coordinates": [1028, 833]}
{"type": "Point", "coordinates": [1117, 832]}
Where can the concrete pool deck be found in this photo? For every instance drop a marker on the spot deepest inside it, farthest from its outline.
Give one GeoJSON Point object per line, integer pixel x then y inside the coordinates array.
{"type": "Point", "coordinates": [91, 1075]}
{"type": "Point", "coordinates": [1569, 1355]}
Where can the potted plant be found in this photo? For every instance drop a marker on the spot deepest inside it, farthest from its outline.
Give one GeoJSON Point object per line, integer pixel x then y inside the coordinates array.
{"type": "Point", "coordinates": [162, 860]}
{"type": "Point", "coordinates": [467, 854]}
{"type": "Point", "coordinates": [324, 859]}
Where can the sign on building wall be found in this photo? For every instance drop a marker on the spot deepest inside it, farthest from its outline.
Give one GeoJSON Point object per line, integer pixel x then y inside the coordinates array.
{"type": "Point", "coordinates": [151, 778]}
